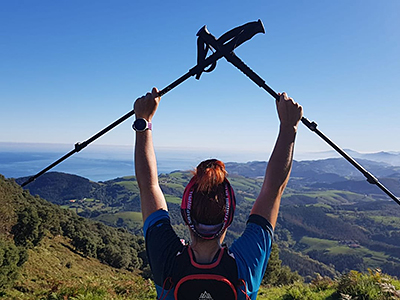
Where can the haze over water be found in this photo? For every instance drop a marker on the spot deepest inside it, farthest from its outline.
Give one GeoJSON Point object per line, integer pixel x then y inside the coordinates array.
{"type": "Point", "coordinates": [101, 163]}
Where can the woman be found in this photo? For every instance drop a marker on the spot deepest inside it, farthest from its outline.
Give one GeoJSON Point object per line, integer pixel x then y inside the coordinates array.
{"type": "Point", "coordinates": [205, 269]}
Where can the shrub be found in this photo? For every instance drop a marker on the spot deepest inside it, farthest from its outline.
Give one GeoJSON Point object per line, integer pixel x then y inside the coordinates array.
{"type": "Point", "coordinates": [320, 283]}
{"type": "Point", "coordinates": [371, 286]}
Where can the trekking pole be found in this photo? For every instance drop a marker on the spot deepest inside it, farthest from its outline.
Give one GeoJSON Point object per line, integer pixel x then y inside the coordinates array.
{"type": "Point", "coordinates": [211, 41]}
{"type": "Point", "coordinates": [237, 36]}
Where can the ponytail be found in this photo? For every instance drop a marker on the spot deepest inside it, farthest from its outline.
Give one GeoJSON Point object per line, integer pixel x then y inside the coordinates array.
{"type": "Point", "coordinates": [209, 175]}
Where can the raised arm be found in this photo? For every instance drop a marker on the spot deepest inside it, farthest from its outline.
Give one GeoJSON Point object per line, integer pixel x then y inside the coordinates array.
{"type": "Point", "coordinates": [151, 196]}
{"type": "Point", "coordinates": [280, 163]}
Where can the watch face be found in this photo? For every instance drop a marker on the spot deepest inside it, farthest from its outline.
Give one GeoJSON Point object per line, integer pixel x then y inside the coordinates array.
{"type": "Point", "coordinates": [140, 124]}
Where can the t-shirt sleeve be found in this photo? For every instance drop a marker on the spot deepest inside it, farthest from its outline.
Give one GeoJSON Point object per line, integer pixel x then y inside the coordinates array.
{"type": "Point", "coordinates": [162, 245]}
{"type": "Point", "coordinates": [252, 251]}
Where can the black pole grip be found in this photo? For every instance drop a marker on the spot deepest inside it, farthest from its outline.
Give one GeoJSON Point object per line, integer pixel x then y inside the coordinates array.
{"type": "Point", "coordinates": [233, 38]}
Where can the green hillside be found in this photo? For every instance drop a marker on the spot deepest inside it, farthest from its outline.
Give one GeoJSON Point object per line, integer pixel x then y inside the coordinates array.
{"type": "Point", "coordinates": [47, 252]}
{"type": "Point", "coordinates": [328, 229]}
{"type": "Point", "coordinates": [50, 252]}
{"type": "Point", "coordinates": [55, 271]}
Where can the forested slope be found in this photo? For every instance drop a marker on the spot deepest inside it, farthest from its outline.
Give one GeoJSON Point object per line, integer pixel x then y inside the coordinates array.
{"type": "Point", "coordinates": [42, 244]}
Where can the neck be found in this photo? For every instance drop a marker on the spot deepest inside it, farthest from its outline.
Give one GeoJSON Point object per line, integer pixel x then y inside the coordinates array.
{"type": "Point", "coordinates": [205, 250]}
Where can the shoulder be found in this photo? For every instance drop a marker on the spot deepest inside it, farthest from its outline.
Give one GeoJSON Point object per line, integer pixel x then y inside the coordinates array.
{"type": "Point", "coordinates": [258, 233]}
{"type": "Point", "coordinates": [255, 240]}
{"type": "Point", "coordinates": [262, 223]}
{"type": "Point", "coordinates": [155, 218]}
{"type": "Point", "coordinates": [159, 234]}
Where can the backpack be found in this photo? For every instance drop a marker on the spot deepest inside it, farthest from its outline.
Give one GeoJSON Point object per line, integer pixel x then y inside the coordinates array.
{"type": "Point", "coordinates": [216, 281]}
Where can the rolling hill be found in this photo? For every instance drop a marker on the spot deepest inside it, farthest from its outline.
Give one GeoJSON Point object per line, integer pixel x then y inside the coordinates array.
{"type": "Point", "coordinates": [331, 219]}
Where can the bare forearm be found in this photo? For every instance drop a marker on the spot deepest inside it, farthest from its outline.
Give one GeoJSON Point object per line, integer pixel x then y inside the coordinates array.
{"type": "Point", "coordinates": [145, 160]}
{"type": "Point", "coordinates": [280, 163]}
{"type": "Point", "coordinates": [151, 196]}
{"type": "Point", "coordinates": [276, 176]}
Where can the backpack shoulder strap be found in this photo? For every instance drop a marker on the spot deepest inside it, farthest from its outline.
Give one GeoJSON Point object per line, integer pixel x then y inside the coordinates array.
{"type": "Point", "coordinates": [217, 280]}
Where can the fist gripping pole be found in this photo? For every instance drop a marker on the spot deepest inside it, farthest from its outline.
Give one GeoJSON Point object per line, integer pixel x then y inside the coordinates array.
{"type": "Point", "coordinates": [216, 44]}
{"type": "Point", "coordinates": [228, 42]}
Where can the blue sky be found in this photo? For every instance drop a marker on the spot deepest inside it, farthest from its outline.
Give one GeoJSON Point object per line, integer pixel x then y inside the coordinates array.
{"type": "Point", "coordinates": [69, 68]}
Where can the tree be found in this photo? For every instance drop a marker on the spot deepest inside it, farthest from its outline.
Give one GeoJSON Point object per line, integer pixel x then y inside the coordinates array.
{"type": "Point", "coordinates": [26, 232]}
{"type": "Point", "coordinates": [11, 258]}
{"type": "Point", "coordinates": [276, 274]}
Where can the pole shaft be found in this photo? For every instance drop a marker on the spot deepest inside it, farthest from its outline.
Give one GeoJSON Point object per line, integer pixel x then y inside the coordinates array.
{"type": "Point", "coordinates": [237, 62]}
{"type": "Point", "coordinates": [79, 146]}
{"type": "Point", "coordinates": [370, 178]}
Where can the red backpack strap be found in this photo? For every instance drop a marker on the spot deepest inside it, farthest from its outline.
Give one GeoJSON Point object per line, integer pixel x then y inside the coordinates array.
{"type": "Point", "coordinates": [217, 280]}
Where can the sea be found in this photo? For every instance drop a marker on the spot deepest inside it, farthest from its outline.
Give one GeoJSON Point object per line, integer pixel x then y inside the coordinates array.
{"type": "Point", "coordinates": [107, 162]}
{"type": "Point", "coordinates": [102, 163]}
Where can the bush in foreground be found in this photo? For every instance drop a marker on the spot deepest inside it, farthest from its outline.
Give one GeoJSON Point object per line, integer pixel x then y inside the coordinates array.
{"type": "Point", "coordinates": [115, 288]}
{"type": "Point", "coordinates": [350, 286]}
{"type": "Point", "coordinates": [372, 286]}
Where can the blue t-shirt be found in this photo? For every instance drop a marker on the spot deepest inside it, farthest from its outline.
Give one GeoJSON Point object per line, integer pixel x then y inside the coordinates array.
{"type": "Point", "coordinates": [251, 251]}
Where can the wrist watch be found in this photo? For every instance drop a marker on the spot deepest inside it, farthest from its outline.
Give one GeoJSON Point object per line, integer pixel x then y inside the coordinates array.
{"type": "Point", "coordinates": [141, 125]}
